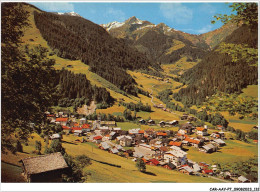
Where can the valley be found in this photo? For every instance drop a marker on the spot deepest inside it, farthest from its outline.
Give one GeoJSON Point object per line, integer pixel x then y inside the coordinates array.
{"type": "Point", "coordinates": [158, 87]}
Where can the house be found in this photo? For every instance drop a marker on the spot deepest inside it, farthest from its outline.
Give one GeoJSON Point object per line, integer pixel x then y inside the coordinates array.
{"type": "Point", "coordinates": [114, 150]}
{"type": "Point", "coordinates": [186, 128]}
{"type": "Point", "coordinates": [113, 135]}
{"type": "Point", "coordinates": [62, 121]}
{"type": "Point", "coordinates": [153, 162]}
{"type": "Point", "coordinates": [194, 142]}
{"type": "Point", "coordinates": [55, 136]}
{"type": "Point", "coordinates": [196, 167]}
{"type": "Point", "coordinates": [207, 171]}
{"type": "Point", "coordinates": [142, 121]}
{"type": "Point", "coordinates": [178, 144]}
{"type": "Point", "coordinates": [119, 148]}
{"type": "Point", "coordinates": [161, 135]}
{"type": "Point", "coordinates": [220, 127]}
{"type": "Point", "coordinates": [151, 122]}
{"type": "Point", "coordinates": [191, 118]}
{"type": "Point", "coordinates": [218, 135]}
{"type": "Point", "coordinates": [242, 179]}
{"type": "Point", "coordinates": [78, 132]}
{"type": "Point", "coordinates": [125, 141]}
{"type": "Point", "coordinates": [209, 148]}
{"type": "Point", "coordinates": [129, 153]}
{"type": "Point", "coordinates": [201, 131]}
{"type": "Point", "coordinates": [134, 131]}
{"type": "Point", "coordinates": [44, 168]}
{"type": "Point", "coordinates": [186, 170]}
{"type": "Point", "coordinates": [219, 142]}
{"type": "Point", "coordinates": [85, 127]}
{"type": "Point", "coordinates": [176, 156]}
{"type": "Point", "coordinates": [162, 123]}
{"type": "Point", "coordinates": [173, 123]}
{"type": "Point", "coordinates": [98, 139]}
{"type": "Point", "coordinates": [104, 146]}
{"type": "Point", "coordinates": [169, 166]}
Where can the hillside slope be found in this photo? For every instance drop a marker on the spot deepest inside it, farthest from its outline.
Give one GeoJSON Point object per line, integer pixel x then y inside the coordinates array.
{"type": "Point", "coordinates": [107, 56]}
{"type": "Point", "coordinates": [217, 72]}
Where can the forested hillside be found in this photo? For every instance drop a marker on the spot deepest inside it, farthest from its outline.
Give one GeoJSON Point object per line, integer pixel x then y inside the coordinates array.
{"type": "Point", "coordinates": [75, 90]}
{"type": "Point", "coordinates": [107, 56]}
{"type": "Point", "coordinates": [218, 72]}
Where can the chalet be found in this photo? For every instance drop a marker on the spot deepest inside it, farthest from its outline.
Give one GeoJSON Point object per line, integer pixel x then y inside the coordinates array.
{"type": "Point", "coordinates": [44, 168]}
{"type": "Point", "coordinates": [218, 135]}
{"type": "Point", "coordinates": [186, 170]}
{"type": "Point", "coordinates": [85, 127]}
{"type": "Point", "coordinates": [177, 144]}
{"type": "Point", "coordinates": [114, 150]}
{"type": "Point", "coordinates": [78, 132]}
{"type": "Point", "coordinates": [209, 148]}
{"type": "Point", "coordinates": [176, 156]}
{"type": "Point", "coordinates": [151, 122]}
{"type": "Point", "coordinates": [186, 129]}
{"type": "Point", "coordinates": [255, 127]}
{"type": "Point", "coordinates": [161, 135]}
{"type": "Point", "coordinates": [134, 131]}
{"type": "Point", "coordinates": [153, 162]}
{"type": "Point", "coordinates": [169, 166]}
{"type": "Point", "coordinates": [98, 139]}
{"type": "Point", "coordinates": [125, 141]}
{"type": "Point", "coordinates": [207, 171]}
{"type": "Point", "coordinates": [119, 148]}
{"type": "Point", "coordinates": [149, 133]}
{"type": "Point", "coordinates": [173, 123]}
{"type": "Point", "coordinates": [196, 167]}
{"type": "Point", "coordinates": [141, 132]}
{"type": "Point", "coordinates": [219, 142]}
{"type": "Point", "coordinates": [142, 121]}
{"type": "Point", "coordinates": [194, 142]}
{"type": "Point", "coordinates": [201, 131]}
{"type": "Point", "coordinates": [242, 179]}
{"type": "Point", "coordinates": [162, 123]}
{"type": "Point", "coordinates": [112, 135]}
{"type": "Point", "coordinates": [104, 146]}
{"type": "Point", "coordinates": [62, 121]}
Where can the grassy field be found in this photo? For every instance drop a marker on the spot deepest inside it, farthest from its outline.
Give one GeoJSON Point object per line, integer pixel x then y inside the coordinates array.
{"type": "Point", "coordinates": [251, 90]}
{"type": "Point", "coordinates": [234, 151]}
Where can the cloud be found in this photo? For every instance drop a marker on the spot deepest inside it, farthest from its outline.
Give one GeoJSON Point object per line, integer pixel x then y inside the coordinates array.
{"type": "Point", "coordinates": [176, 12]}
{"type": "Point", "coordinates": [55, 6]}
{"type": "Point", "coordinates": [115, 14]}
{"type": "Point", "coordinates": [207, 7]}
{"type": "Point", "coordinates": [205, 29]}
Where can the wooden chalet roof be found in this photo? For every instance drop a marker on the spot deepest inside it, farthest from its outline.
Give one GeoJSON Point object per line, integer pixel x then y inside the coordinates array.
{"type": "Point", "coordinates": [62, 119]}
{"type": "Point", "coordinates": [44, 163]}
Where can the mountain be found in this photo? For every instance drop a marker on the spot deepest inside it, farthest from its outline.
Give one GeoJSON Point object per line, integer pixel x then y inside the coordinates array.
{"type": "Point", "coordinates": [165, 44]}
{"type": "Point", "coordinates": [217, 72]}
{"type": "Point", "coordinates": [107, 56]}
{"type": "Point", "coordinates": [69, 13]}
{"type": "Point", "coordinates": [159, 42]}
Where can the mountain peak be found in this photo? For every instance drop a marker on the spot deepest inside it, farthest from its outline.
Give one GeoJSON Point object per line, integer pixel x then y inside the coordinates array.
{"type": "Point", "coordinates": [72, 13]}
{"type": "Point", "coordinates": [134, 20]}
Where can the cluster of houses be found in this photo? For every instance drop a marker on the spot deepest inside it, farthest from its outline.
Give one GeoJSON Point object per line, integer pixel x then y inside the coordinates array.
{"type": "Point", "coordinates": [156, 147]}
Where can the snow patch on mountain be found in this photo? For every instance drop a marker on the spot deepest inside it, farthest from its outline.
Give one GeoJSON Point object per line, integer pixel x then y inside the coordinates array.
{"type": "Point", "coordinates": [112, 25]}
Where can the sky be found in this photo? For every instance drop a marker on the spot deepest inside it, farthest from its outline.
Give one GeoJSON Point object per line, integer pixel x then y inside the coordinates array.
{"type": "Point", "coordinates": [193, 18]}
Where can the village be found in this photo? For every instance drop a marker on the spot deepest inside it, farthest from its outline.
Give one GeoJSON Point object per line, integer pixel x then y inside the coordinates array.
{"type": "Point", "coordinates": [156, 147]}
